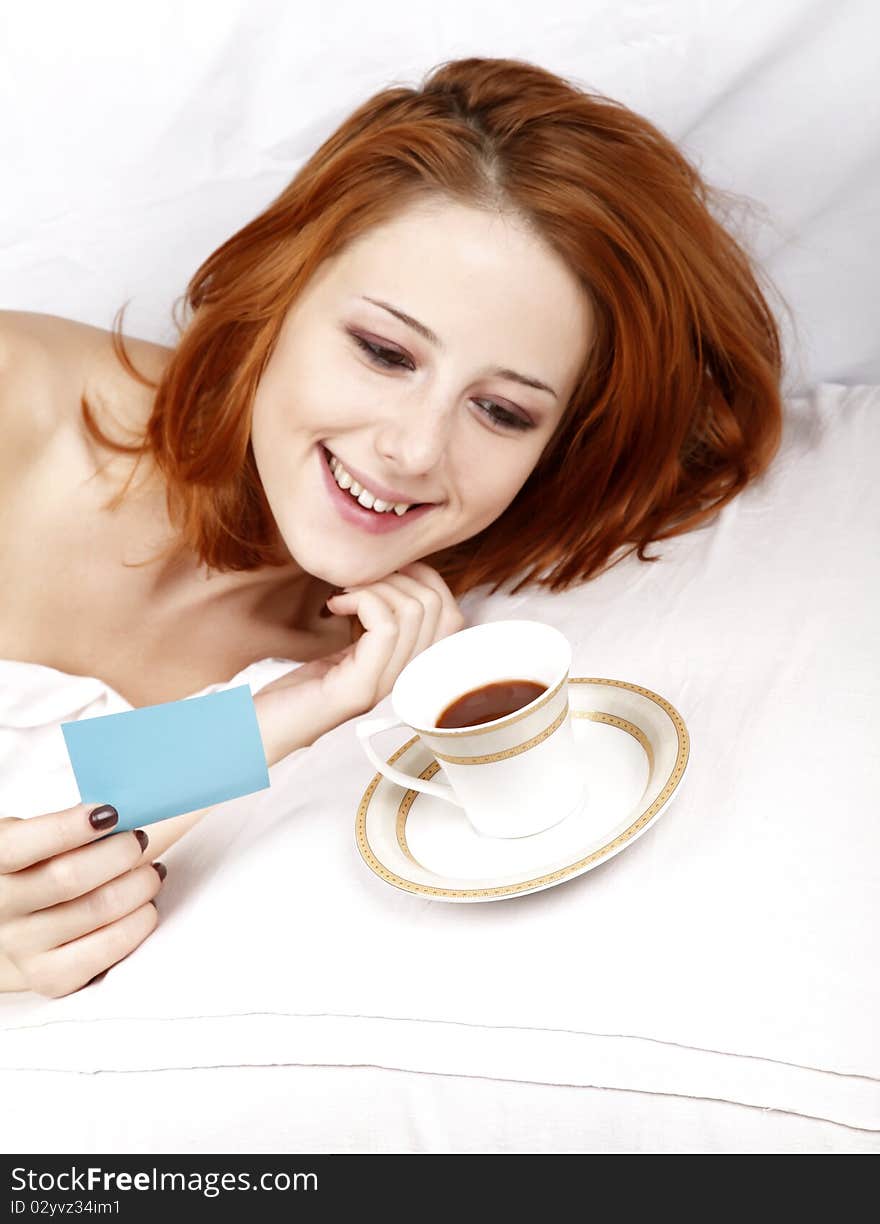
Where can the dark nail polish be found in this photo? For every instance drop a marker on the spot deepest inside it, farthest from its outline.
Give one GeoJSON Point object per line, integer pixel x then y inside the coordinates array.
{"type": "Point", "coordinates": [142, 838]}
{"type": "Point", "coordinates": [161, 869]}
{"type": "Point", "coordinates": [104, 817]}
{"type": "Point", "coordinates": [325, 612]}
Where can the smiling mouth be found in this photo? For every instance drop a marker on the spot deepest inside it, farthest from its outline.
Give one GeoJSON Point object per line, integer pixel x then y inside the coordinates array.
{"type": "Point", "coordinates": [328, 455]}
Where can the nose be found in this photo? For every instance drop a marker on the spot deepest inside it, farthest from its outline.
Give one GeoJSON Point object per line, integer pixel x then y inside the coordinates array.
{"type": "Point", "coordinates": [415, 437]}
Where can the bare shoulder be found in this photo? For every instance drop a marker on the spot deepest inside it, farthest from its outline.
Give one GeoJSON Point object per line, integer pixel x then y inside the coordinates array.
{"type": "Point", "coordinates": [28, 406]}
{"type": "Point", "coordinates": [47, 364]}
{"type": "Point", "coordinates": [43, 364]}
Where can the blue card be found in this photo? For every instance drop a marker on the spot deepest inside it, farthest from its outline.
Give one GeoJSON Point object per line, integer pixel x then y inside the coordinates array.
{"type": "Point", "coordinates": [164, 760]}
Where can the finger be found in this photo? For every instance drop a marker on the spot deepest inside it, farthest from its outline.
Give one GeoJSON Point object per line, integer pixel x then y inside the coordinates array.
{"type": "Point", "coordinates": [443, 615]}
{"type": "Point", "coordinates": [354, 683]}
{"type": "Point", "coordinates": [451, 616]}
{"type": "Point", "coordinates": [23, 842]}
{"type": "Point", "coordinates": [406, 615]}
{"type": "Point", "coordinates": [408, 609]}
{"type": "Point", "coordinates": [427, 576]}
{"type": "Point", "coordinates": [416, 611]}
{"type": "Point", "coordinates": [432, 604]}
{"type": "Point", "coordinates": [72, 965]}
{"type": "Point", "coordinates": [71, 874]}
{"type": "Point", "coordinates": [49, 928]}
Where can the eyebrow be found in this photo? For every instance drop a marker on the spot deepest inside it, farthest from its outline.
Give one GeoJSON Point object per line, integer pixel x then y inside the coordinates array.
{"type": "Point", "coordinates": [433, 338]}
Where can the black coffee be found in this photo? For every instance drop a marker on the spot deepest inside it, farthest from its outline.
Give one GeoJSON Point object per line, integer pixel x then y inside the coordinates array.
{"type": "Point", "coordinates": [482, 705]}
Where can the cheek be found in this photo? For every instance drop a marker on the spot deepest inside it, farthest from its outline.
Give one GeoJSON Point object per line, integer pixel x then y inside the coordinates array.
{"type": "Point", "coordinates": [504, 481]}
{"type": "Point", "coordinates": [324, 403]}
{"type": "Point", "coordinates": [491, 491]}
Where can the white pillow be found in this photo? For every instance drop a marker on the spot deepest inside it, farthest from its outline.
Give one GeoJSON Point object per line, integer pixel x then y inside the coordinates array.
{"type": "Point", "coordinates": [137, 141]}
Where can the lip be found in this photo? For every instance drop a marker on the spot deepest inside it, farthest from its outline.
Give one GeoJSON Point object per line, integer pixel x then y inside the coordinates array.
{"type": "Point", "coordinates": [367, 520]}
{"type": "Point", "coordinates": [380, 491]}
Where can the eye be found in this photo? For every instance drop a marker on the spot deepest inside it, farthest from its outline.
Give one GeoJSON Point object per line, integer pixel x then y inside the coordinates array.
{"type": "Point", "coordinates": [378, 354]}
{"type": "Point", "coordinates": [390, 359]}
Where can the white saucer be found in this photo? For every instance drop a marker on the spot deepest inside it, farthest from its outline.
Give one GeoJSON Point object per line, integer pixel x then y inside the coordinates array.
{"type": "Point", "coordinates": [635, 752]}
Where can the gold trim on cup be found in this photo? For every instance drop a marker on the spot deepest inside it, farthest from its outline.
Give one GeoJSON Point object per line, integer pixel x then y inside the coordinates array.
{"type": "Point", "coordinates": [505, 753]}
{"type": "Point", "coordinates": [497, 725]}
{"type": "Point", "coordinates": [510, 890]}
{"type": "Point", "coordinates": [599, 716]}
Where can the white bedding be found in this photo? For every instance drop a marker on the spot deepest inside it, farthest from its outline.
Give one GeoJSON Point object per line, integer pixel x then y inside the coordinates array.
{"type": "Point", "coordinates": [714, 986]}
{"type": "Point", "coordinates": [295, 1108]}
{"type": "Point", "coordinates": [730, 954]}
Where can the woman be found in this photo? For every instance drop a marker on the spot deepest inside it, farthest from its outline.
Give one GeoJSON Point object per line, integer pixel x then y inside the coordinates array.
{"type": "Point", "coordinates": [490, 331]}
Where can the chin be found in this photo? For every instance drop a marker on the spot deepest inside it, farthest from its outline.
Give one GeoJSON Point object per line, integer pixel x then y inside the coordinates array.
{"type": "Point", "coordinates": [339, 572]}
{"type": "Point", "coordinates": [341, 567]}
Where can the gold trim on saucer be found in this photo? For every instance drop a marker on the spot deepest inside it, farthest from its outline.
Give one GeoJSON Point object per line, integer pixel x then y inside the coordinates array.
{"type": "Point", "coordinates": [508, 890]}
{"type": "Point", "coordinates": [614, 720]}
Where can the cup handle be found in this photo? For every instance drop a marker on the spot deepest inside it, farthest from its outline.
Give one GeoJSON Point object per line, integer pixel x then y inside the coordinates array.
{"type": "Point", "coordinates": [372, 726]}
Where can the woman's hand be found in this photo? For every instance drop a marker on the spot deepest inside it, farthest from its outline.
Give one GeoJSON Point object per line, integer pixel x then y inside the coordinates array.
{"type": "Point", "coordinates": [401, 616]}
{"type": "Point", "coordinates": [71, 905]}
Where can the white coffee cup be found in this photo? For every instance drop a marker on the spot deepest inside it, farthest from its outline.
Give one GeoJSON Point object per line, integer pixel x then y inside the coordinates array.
{"type": "Point", "coordinates": [514, 776]}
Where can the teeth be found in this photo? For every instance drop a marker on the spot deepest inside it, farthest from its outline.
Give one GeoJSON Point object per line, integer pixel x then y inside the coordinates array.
{"type": "Point", "coordinates": [364, 498]}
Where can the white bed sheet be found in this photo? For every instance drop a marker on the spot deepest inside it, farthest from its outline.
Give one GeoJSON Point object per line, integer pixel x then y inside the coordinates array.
{"type": "Point", "coordinates": [729, 954]}
{"type": "Point", "coordinates": [329, 1109]}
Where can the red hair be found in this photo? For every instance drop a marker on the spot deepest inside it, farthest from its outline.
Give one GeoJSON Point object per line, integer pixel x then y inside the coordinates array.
{"type": "Point", "coordinates": [677, 406]}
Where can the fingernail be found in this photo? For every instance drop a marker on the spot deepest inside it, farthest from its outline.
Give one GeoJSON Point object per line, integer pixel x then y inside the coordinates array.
{"type": "Point", "coordinates": [104, 817]}
{"type": "Point", "coordinates": [161, 869]}
{"type": "Point", "coordinates": [325, 612]}
{"type": "Point", "coordinates": [142, 838]}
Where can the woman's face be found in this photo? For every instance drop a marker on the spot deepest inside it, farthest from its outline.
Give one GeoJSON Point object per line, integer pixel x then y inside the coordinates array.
{"type": "Point", "coordinates": [451, 426]}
